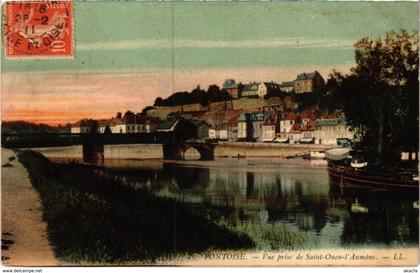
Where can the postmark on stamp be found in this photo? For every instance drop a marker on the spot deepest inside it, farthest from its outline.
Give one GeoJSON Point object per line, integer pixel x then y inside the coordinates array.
{"type": "Point", "coordinates": [38, 29]}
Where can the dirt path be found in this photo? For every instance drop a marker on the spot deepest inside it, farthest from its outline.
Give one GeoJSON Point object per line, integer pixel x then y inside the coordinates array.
{"type": "Point", "coordinates": [24, 238]}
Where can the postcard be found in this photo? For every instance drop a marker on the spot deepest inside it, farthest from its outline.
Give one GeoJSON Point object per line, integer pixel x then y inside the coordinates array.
{"type": "Point", "coordinates": [203, 134]}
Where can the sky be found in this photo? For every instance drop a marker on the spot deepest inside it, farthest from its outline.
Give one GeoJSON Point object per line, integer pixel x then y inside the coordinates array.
{"type": "Point", "coordinates": [129, 53]}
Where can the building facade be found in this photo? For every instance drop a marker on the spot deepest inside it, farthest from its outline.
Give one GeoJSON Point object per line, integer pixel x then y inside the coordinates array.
{"type": "Point", "coordinates": [257, 119]}
{"type": "Point", "coordinates": [287, 87]}
{"type": "Point", "coordinates": [245, 129]}
{"type": "Point", "coordinates": [331, 131]}
{"type": "Point", "coordinates": [309, 82]}
{"type": "Point", "coordinates": [269, 130]}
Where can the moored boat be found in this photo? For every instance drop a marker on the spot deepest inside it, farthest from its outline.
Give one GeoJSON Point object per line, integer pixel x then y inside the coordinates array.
{"type": "Point", "coordinates": [346, 175]}
{"type": "Point", "coordinates": [339, 153]}
{"type": "Point", "coordinates": [281, 140]}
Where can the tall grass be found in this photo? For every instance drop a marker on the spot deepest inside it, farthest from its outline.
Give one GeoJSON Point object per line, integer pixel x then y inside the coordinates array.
{"type": "Point", "coordinates": [93, 217]}
{"type": "Point", "coordinates": [273, 236]}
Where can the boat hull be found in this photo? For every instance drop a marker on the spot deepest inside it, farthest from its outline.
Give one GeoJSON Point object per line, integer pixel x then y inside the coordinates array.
{"type": "Point", "coordinates": [342, 175]}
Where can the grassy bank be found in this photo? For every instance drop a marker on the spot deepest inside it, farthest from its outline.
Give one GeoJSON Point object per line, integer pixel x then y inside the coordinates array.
{"type": "Point", "coordinates": [95, 218]}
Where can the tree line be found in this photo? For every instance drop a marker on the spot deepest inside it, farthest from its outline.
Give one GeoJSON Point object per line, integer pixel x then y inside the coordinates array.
{"type": "Point", "coordinates": [197, 95]}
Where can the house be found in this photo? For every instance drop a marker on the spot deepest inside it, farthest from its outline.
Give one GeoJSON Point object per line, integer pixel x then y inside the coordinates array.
{"type": "Point", "coordinates": [130, 124]}
{"type": "Point", "coordinates": [286, 124]}
{"type": "Point", "coordinates": [308, 131]}
{"type": "Point", "coordinates": [212, 133]}
{"type": "Point", "coordinates": [269, 129]}
{"type": "Point", "coordinates": [245, 130]}
{"type": "Point", "coordinates": [122, 125]}
{"type": "Point", "coordinates": [267, 88]}
{"type": "Point", "coordinates": [104, 125]}
{"type": "Point", "coordinates": [80, 127]}
{"type": "Point", "coordinates": [232, 129]}
{"type": "Point", "coordinates": [83, 126]}
{"type": "Point", "coordinates": [231, 87]}
{"type": "Point", "coordinates": [202, 128]}
{"type": "Point", "coordinates": [146, 124]}
{"type": "Point", "coordinates": [221, 132]}
{"type": "Point", "coordinates": [257, 119]}
{"type": "Point", "coordinates": [295, 134]}
{"type": "Point", "coordinates": [287, 87]}
{"type": "Point", "coordinates": [249, 90]}
{"type": "Point", "coordinates": [309, 82]}
{"type": "Point", "coordinates": [332, 131]}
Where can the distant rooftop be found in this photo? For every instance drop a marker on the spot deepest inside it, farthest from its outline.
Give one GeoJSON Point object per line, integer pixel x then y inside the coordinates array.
{"type": "Point", "coordinates": [330, 122]}
{"type": "Point", "coordinates": [306, 76]}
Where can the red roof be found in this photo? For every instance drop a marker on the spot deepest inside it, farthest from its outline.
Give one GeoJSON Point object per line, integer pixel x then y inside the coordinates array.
{"type": "Point", "coordinates": [104, 122]}
{"type": "Point", "coordinates": [233, 120]}
{"type": "Point", "coordinates": [290, 117]}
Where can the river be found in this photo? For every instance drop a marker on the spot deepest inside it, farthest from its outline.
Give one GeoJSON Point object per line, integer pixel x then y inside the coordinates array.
{"type": "Point", "coordinates": [279, 203]}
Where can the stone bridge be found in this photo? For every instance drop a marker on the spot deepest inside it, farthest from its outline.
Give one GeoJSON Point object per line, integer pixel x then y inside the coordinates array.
{"type": "Point", "coordinates": [174, 143]}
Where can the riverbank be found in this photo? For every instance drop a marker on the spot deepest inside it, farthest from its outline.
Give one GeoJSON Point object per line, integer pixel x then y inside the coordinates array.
{"type": "Point", "coordinates": [24, 236]}
{"type": "Point", "coordinates": [94, 218]}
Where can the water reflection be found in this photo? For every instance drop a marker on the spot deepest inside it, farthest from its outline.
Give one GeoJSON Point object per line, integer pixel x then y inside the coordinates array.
{"type": "Point", "coordinates": [300, 199]}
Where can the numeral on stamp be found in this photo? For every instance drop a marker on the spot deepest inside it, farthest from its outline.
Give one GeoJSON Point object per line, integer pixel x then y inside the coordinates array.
{"type": "Point", "coordinates": [38, 29]}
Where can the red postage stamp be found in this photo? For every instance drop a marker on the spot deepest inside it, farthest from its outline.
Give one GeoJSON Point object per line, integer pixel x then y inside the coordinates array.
{"type": "Point", "coordinates": [39, 29]}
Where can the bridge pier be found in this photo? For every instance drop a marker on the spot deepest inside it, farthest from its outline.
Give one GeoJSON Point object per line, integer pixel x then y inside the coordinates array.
{"type": "Point", "coordinates": [93, 152]}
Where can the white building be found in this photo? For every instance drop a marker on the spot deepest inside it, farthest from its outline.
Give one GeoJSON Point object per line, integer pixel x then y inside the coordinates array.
{"type": "Point", "coordinates": [212, 133]}
{"type": "Point", "coordinates": [82, 126]}
{"type": "Point", "coordinates": [244, 127]}
{"type": "Point", "coordinates": [331, 131]}
{"type": "Point", "coordinates": [269, 130]}
{"type": "Point", "coordinates": [222, 133]}
{"type": "Point", "coordinates": [287, 123]}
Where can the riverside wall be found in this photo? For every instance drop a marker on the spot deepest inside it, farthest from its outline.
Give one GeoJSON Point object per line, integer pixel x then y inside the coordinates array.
{"type": "Point", "coordinates": [255, 149]}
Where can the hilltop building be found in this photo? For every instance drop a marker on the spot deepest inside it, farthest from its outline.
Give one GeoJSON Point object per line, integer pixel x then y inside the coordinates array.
{"type": "Point", "coordinates": [249, 90]}
{"type": "Point", "coordinates": [287, 87]}
{"type": "Point", "coordinates": [231, 87]}
{"type": "Point", "coordinates": [309, 82]}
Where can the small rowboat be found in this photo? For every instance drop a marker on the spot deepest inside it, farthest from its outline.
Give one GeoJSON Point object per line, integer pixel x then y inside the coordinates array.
{"type": "Point", "coordinates": [358, 208]}
{"type": "Point", "coordinates": [358, 164]}
{"type": "Point", "coordinates": [339, 153]}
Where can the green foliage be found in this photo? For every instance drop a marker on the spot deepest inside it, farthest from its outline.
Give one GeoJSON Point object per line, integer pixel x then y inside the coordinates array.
{"type": "Point", "coordinates": [9, 127]}
{"type": "Point", "coordinates": [380, 96]}
{"type": "Point", "coordinates": [95, 217]}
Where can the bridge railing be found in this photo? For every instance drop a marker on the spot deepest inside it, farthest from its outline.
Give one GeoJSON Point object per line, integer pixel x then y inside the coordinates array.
{"type": "Point", "coordinates": [67, 139]}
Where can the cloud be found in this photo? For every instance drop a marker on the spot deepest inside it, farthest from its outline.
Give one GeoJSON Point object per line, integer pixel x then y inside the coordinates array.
{"type": "Point", "coordinates": [185, 43]}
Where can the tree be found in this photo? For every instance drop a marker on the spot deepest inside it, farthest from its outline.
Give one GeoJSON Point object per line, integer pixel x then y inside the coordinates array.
{"type": "Point", "coordinates": [215, 94]}
{"type": "Point", "coordinates": [118, 115]}
{"type": "Point", "coordinates": [130, 116]}
{"type": "Point", "coordinates": [158, 101]}
{"type": "Point", "coordinates": [145, 110]}
{"type": "Point", "coordinates": [380, 95]}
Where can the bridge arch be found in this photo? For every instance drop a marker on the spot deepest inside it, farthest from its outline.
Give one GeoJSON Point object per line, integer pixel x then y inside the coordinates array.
{"type": "Point", "coordinates": [177, 151]}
